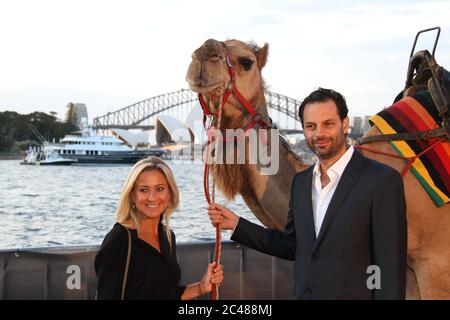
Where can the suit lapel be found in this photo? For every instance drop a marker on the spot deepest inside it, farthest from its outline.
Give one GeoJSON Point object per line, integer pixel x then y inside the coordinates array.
{"type": "Point", "coordinates": [348, 179]}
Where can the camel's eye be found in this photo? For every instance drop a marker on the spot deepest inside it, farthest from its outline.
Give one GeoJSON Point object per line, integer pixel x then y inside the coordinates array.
{"type": "Point", "coordinates": [246, 63]}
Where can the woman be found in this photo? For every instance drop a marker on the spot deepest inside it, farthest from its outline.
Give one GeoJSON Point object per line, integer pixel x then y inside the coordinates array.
{"type": "Point", "coordinates": [149, 197]}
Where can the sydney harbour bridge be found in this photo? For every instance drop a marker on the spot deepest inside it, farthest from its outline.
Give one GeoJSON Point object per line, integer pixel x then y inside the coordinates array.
{"type": "Point", "coordinates": [141, 115]}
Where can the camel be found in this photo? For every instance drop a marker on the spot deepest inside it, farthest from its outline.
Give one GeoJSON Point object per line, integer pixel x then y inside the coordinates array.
{"type": "Point", "coordinates": [428, 273]}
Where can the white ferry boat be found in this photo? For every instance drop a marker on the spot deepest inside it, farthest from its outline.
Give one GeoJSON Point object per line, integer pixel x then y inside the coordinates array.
{"type": "Point", "coordinates": [88, 148]}
{"type": "Point", "coordinates": [46, 158]}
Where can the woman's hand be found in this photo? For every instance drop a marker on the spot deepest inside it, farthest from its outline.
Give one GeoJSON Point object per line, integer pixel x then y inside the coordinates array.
{"type": "Point", "coordinates": [219, 214]}
{"type": "Point", "coordinates": [213, 275]}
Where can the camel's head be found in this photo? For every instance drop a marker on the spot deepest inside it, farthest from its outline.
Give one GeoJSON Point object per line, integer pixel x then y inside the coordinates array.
{"type": "Point", "coordinates": [209, 75]}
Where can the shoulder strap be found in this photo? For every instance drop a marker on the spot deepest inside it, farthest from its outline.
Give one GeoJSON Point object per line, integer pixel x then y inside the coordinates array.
{"type": "Point", "coordinates": [124, 284]}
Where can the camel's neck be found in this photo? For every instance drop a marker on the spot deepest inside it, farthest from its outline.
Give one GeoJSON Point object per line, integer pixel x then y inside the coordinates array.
{"type": "Point", "coordinates": [267, 196]}
{"type": "Point", "coordinates": [264, 191]}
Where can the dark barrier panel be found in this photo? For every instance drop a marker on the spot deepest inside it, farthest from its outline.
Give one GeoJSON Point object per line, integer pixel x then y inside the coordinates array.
{"type": "Point", "coordinates": [68, 272]}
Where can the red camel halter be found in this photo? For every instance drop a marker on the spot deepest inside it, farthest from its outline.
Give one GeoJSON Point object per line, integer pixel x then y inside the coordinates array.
{"type": "Point", "coordinates": [212, 133]}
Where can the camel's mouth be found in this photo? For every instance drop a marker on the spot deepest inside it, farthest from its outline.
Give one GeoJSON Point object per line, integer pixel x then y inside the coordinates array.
{"type": "Point", "coordinates": [200, 88]}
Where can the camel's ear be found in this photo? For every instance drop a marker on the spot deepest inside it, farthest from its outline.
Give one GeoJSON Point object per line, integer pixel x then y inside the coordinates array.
{"type": "Point", "coordinates": [261, 56]}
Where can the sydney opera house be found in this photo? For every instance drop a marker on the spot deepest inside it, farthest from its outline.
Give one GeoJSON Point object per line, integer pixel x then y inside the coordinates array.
{"type": "Point", "coordinates": [169, 133]}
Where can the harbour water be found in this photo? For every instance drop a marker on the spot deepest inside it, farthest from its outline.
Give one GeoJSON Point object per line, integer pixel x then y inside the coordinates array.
{"type": "Point", "coordinates": [75, 205]}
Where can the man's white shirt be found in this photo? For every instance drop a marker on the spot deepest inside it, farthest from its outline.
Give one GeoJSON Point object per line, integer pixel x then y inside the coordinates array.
{"type": "Point", "coordinates": [321, 197]}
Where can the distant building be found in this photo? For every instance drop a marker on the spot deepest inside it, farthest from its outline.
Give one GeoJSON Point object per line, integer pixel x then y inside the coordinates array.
{"type": "Point", "coordinates": [355, 125]}
{"type": "Point", "coordinates": [359, 125]}
{"type": "Point", "coordinates": [142, 139]}
{"type": "Point", "coordinates": [81, 112]}
{"type": "Point", "coordinates": [77, 114]}
{"type": "Point", "coordinates": [365, 124]}
{"type": "Point", "coordinates": [170, 130]}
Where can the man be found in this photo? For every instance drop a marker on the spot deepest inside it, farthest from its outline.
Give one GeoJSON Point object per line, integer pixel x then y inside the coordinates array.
{"type": "Point", "coordinates": [346, 227]}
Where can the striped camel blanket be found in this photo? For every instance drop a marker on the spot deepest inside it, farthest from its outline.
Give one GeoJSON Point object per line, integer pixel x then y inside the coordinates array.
{"type": "Point", "coordinates": [418, 113]}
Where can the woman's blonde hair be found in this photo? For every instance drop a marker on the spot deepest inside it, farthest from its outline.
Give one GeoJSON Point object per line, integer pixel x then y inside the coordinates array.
{"type": "Point", "coordinates": [125, 210]}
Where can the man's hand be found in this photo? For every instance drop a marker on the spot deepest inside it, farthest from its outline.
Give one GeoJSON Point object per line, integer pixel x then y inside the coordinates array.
{"type": "Point", "coordinates": [219, 214]}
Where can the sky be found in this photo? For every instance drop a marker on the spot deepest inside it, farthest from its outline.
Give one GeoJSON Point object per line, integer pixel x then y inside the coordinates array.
{"type": "Point", "coordinates": [111, 54]}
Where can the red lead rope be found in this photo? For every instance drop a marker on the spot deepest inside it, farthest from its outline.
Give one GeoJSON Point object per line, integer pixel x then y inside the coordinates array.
{"type": "Point", "coordinates": [256, 119]}
{"type": "Point", "coordinates": [215, 290]}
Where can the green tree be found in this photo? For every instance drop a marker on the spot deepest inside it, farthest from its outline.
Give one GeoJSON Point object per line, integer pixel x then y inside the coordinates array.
{"type": "Point", "coordinates": [15, 128]}
{"type": "Point", "coordinates": [7, 130]}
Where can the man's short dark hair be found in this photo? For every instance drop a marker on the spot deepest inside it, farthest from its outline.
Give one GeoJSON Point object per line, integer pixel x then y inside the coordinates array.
{"type": "Point", "coordinates": [323, 95]}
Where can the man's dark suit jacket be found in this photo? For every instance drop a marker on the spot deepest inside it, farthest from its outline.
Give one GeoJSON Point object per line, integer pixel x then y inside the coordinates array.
{"type": "Point", "coordinates": [365, 225]}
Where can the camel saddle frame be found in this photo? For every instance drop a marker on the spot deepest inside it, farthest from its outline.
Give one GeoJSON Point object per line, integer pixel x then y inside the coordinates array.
{"type": "Point", "coordinates": [424, 73]}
